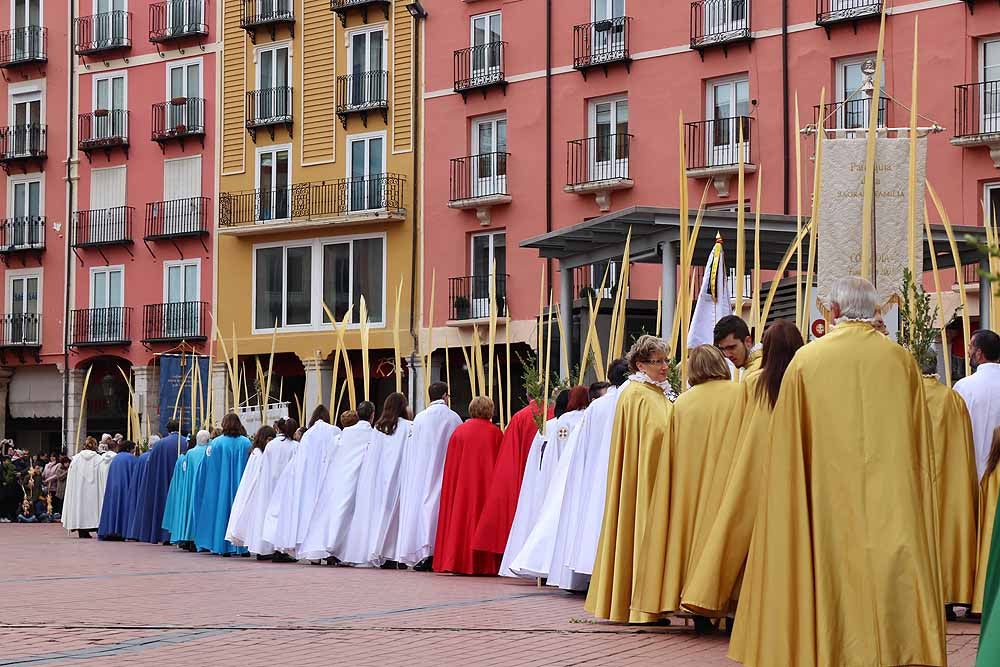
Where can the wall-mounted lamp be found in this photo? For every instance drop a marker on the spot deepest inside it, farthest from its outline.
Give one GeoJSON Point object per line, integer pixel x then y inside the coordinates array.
{"type": "Point", "coordinates": [416, 10]}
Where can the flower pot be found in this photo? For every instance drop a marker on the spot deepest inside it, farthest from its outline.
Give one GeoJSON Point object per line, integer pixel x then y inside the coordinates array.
{"type": "Point", "coordinates": [179, 101]}
{"type": "Point", "coordinates": [101, 113]}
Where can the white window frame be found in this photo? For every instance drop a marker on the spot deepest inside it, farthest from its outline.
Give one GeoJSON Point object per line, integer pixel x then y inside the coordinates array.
{"type": "Point", "coordinates": [613, 168]}
{"type": "Point", "coordinates": [987, 188]}
{"type": "Point", "coordinates": [181, 263]}
{"type": "Point", "coordinates": [712, 149]}
{"type": "Point", "coordinates": [477, 184]}
{"type": "Point", "coordinates": [986, 123]}
{"type": "Point", "coordinates": [105, 269]}
{"type": "Point", "coordinates": [16, 179]}
{"type": "Point", "coordinates": [109, 76]}
{"type": "Point", "coordinates": [175, 64]}
{"type": "Point", "coordinates": [22, 274]}
{"type": "Point", "coordinates": [316, 282]}
{"type": "Point", "coordinates": [840, 88]}
{"type": "Point", "coordinates": [382, 27]}
{"type": "Point", "coordinates": [487, 16]}
{"type": "Point", "coordinates": [273, 46]}
{"type": "Point", "coordinates": [480, 305]}
{"type": "Point", "coordinates": [41, 13]}
{"type": "Point", "coordinates": [124, 3]}
{"type": "Point", "coordinates": [274, 148]}
{"type": "Point", "coordinates": [10, 275]}
{"type": "Point", "coordinates": [490, 68]}
{"type": "Point", "coordinates": [366, 137]}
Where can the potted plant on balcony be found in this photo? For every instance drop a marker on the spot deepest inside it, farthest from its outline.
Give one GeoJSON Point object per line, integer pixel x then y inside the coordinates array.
{"type": "Point", "coordinates": [178, 101]}
{"type": "Point", "coordinates": [461, 305]}
{"type": "Point", "coordinates": [180, 128]}
{"type": "Point", "coordinates": [101, 113]}
{"type": "Point", "coordinates": [588, 293]}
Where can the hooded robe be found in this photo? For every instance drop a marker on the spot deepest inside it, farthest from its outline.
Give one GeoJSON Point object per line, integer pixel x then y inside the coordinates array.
{"type": "Point", "coordinates": [246, 521]}
{"type": "Point", "coordinates": [116, 512]}
{"type": "Point", "coordinates": [83, 499]}
{"type": "Point", "coordinates": [154, 486]}
{"type": "Point", "coordinates": [181, 525]}
{"type": "Point", "coordinates": [214, 490]}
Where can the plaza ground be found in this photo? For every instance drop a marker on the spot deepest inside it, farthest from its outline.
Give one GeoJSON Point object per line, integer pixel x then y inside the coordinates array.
{"type": "Point", "coordinates": [65, 601]}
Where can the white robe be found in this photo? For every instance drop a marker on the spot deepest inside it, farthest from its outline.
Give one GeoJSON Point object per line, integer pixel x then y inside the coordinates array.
{"type": "Point", "coordinates": [84, 493]}
{"type": "Point", "coordinates": [335, 507]}
{"type": "Point", "coordinates": [293, 500]}
{"type": "Point", "coordinates": [421, 472]}
{"type": "Point", "coordinates": [102, 475]}
{"type": "Point", "coordinates": [372, 535]}
{"type": "Point", "coordinates": [246, 521]}
{"type": "Point", "coordinates": [981, 392]}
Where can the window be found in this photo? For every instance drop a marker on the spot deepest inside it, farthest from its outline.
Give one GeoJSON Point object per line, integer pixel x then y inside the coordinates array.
{"type": "Point", "coordinates": [110, 107]}
{"type": "Point", "coordinates": [107, 296]}
{"type": "Point", "coordinates": [110, 23]}
{"type": "Point", "coordinates": [273, 184]}
{"type": "Point", "coordinates": [367, 62]}
{"type": "Point", "coordinates": [854, 105]}
{"type": "Point", "coordinates": [293, 281]}
{"type": "Point", "coordinates": [181, 290]}
{"type": "Point", "coordinates": [486, 51]}
{"type": "Point", "coordinates": [728, 103]}
{"type": "Point", "coordinates": [183, 87]}
{"type": "Point", "coordinates": [609, 31]}
{"type": "Point", "coordinates": [990, 97]}
{"type": "Point", "coordinates": [27, 29]}
{"type": "Point", "coordinates": [366, 160]}
{"type": "Point", "coordinates": [24, 210]}
{"type": "Point", "coordinates": [489, 251]}
{"type": "Point", "coordinates": [181, 209]}
{"type": "Point", "coordinates": [23, 297]}
{"type": "Point", "coordinates": [991, 199]}
{"type": "Point", "coordinates": [25, 133]}
{"type": "Point", "coordinates": [609, 128]}
{"type": "Point", "coordinates": [185, 16]}
{"type": "Point", "coordinates": [107, 219]}
{"type": "Point", "coordinates": [489, 167]}
{"type": "Point", "coordinates": [274, 96]}
{"type": "Point", "coordinates": [724, 16]}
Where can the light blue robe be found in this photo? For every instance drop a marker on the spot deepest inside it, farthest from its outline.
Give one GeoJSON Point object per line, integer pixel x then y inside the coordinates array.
{"type": "Point", "coordinates": [181, 526]}
{"type": "Point", "coordinates": [214, 490]}
{"type": "Point", "coordinates": [171, 511]}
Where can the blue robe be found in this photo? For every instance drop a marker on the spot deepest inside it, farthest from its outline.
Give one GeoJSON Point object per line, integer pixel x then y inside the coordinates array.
{"type": "Point", "coordinates": [133, 496]}
{"type": "Point", "coordinates": [214, 491]}
{"type": "Point", "coordinates": [116, 511]}
{"type": "Point", "coordinates": [181, 518]}
{"type": "Point", "coordinates": [154, 487]}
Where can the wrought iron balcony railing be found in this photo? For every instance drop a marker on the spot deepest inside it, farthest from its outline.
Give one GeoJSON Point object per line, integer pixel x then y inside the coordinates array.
{"type": "Point", "coordinates": [269, 107]}
{"type": "Point", "coordinates": [837, 11]}
{"type": "Point", "coordinates": [107, 31]}
{"type": "Point", "coordinates": [21, 330]}
{"type": "Point", "coordinates": [602, 42]}
{"type": "Point", "coordinates": [851, 114]}
{"type": "Point", "coordinates": [342, 7]}
{"type": "Point", "coordinates": [255, 13]}
{"type": "Point", "coordinates": [102, 226]}
{"type": "Point", "coordinates": [587, 281]}
{"type": "Point", "coordinates": [601, 158]}
{"type": "Point", "coordinates": [478, 176]}
{"type": "Point", "coordinates": [362, 93]}
{"type": "Point", "coordinates": [177, 218]}
{"type": "Point", "coordinates": [167, 322]}
{"type": "Point", "coordinates": [313, 201]}
{"type": "Point", "coordinates": [103, 128]}
{"type": "Point", "coordinates": [22, 142]}
{"type": "Point", "coordinates": [469, 297]}
{"type": "Point", "coordinates": [480, 67]}
{"type": "Point", "coordinates": [21, 46]}
{"type": "Point", "coordinates": [178, 118]}
{"type": "Point", "coordinates": [977, 109]}
{"type": "Point", "coordinates": [100, 326]}
{"type": "Point", "coordinates": [715, 143]}
{"type": "Point", "coordinates": [719, 22]}
{"type": "Point", "coordinates": [22, 233]}
{"type": "Point", "coordinates": [177, 19]}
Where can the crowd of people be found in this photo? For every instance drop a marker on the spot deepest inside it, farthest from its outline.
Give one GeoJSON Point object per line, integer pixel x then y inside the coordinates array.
{"type": "Point", "coordinates": [836, 488]}
{"type": "Point", "coordinates": [32, 487]}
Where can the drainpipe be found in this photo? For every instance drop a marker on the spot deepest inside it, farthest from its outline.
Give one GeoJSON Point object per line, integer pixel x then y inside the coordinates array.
{"type": "Point", "coordinates": [70, 185]}
{"type": "Point", "coordinates": [415, 221]}
{"type": "Point", "coordinates": [548, 131]}
{"type": "Point", "coordinates": [784, 97]}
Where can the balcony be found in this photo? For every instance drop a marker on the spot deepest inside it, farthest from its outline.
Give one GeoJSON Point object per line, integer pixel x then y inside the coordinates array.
{"type": "Point", "coordinates": [719, 23]}
{"type": "Point", "coordinates": [480, 68]}
{"type": "Point", "coordinates": [22, 234]}
{"type": "Point", "coordinates": [23, 46]}
{"type": "Point", "coordinates": [176, 20]}
{"type": "Point", "coordinates": [266, 14]}
{"type": "Point", "coordinates": [103, 33]}
{"type": "Point", "coordinates": [713, 150]}
{"type": "Point", "coordinates": [372, 199]}
{"type": "Point", "coordinates": [849, 118]}
{"type": "Point", "coordinates": [342, 7]}
{"type": "Point", "coordinates": [178, 119]}
{"type": "Point", "coordinates": [103, 129]}
{"type": "Point", "coordinates": [102, 227]}
{"type": "Point", "coordinates": [598, 166]}
{"type": "Point", "coordinates": [20, 332]}
{"type": "Point", "coordinates": [177, 218]}
{"type": "Point", "coordinates": [479, 182]}
{"type": "Point", "coordinates": [22, 146]}
{"type": "Point", "coordinates": [267, 109]}
{"type": "Point", "coordinates": [587, 281]}
{"type": "Point", "coordinates": [171, 322]}
{"type": "Point", "coordinates": [95, 327]}
{"type": "Point", "coordinates": [830, 12]}
{"type": "Point", "coordinates": [977, 117]}
{"type": "Point", "coordinates": [601, 44]}
{"type": "Point", "coordinates": [469, 298]}
{"type": "Point", "coordinates": [361, 94]}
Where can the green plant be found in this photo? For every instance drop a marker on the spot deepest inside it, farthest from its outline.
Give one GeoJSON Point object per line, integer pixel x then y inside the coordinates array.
{"type": "Point", "coordinates": [917, 322]}
{"type": "Point", "coordinates": [534, 384]}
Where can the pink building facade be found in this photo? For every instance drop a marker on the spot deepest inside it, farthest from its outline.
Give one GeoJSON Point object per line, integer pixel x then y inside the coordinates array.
{"type": "Point", "coordinates": [580, 119]}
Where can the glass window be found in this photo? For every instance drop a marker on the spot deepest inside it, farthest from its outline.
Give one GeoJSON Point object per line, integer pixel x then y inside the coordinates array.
{"type": "Point", "coordinates": [298, 288]}
{"type": "Point", "coordinates": [368, 277]}
{"type": "Point", "coordinates": [337, 279]}
{"type": "Point", "coordinates": [268, 288]}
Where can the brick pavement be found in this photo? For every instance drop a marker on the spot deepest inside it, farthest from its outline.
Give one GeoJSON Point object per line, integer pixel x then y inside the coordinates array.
{"type": "Point", "coordinates": [138, 604]}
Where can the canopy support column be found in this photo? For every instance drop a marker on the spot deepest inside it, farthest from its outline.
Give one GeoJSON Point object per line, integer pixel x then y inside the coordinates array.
{"type": "Point", "coordinates": [668, 267]}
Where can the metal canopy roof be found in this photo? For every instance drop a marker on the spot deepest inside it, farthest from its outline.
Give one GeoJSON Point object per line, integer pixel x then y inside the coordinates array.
{"type": "Point", "coordinates": [603, 238]}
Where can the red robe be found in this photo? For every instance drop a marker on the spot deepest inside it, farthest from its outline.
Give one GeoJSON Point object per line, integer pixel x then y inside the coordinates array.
{"type": "Point", "coordinates": [472, 451]}
{"type": "Point", "coordinates": [505, 485]}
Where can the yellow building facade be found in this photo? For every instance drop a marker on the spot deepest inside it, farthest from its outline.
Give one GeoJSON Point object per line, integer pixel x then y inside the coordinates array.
{"type": "Point", "coordinates": [316, 184]}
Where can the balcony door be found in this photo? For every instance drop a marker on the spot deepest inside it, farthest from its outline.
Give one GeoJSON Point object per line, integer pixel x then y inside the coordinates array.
{"type": "Point", "coordinates": [366, 166]}
{"type": "Point", "coordinates": [990, 97]}
{"type": "Point", "coordinates": [181, 290]}
{"type": "Point", "coordinates": [489, 166]}
{"type": "Point", "coordinates": [22, 299]}
{"type": "Point", "coordinates": [184, 87]}
{"type": "Point", "coordinates": [854, 103]}
{"type": "Point", "coordinates": [109, 107]}
{"type": "Point", "coordinates": [273, 184]}
{"type": "Point", "coordinates": [368, 85]}
{"type": "Point", "coordinates": [273, 95]}
{"type": "Point", "coordinates": [489, 251]}
{"type": "Point", "coordinates": [110, 22]}
{"type": "Point", "coordinates": [609, 129]}
{"type": "Point", "coordinates": [182, 205]}
{"type": "Point", "coordinates": [107, 298]}
{"type": "Point", "coordinates": [486, 52]}
{"type": "Point", "coordinates": [26, 133]}
{"type": "Point", "coordinates": [25, 229]}
{"type": "Point", "coordinates": [27, 29]}
{"type": "Point", "coordinates": [185, 16]}
{"type": "Point", "coordinates": [107, 219]}
{"type": "Point", "coordinates": [608, 29]}
{"type": "Point", "coordinates": [724, 16]}
{"type": "Point", "coordinates": [727, 101]}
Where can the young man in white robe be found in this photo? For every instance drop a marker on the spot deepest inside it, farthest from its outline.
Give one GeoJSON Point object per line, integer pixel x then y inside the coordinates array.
{"type": "Point", "coordinates": [981, 392]}
{"type": "Point", "coordinates": [421, 472]}
{"type": "Point", "coordinates": [84, 491]}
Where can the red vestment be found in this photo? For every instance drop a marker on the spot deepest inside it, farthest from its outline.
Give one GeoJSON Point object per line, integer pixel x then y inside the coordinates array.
{"type": "Point", "coordinates": [472, 452]}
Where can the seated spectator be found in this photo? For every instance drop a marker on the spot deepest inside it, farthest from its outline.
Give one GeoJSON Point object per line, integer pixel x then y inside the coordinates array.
{"type": "Point", "coordinates": [27, 514]}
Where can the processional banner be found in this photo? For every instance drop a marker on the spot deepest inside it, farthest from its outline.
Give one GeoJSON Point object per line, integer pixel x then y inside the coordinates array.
{"type": "Point", "coordinates": [180, 374]}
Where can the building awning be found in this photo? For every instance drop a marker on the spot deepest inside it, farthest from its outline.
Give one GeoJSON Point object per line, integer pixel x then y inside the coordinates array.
{"type": "Point", "coordinates": [35, 392]}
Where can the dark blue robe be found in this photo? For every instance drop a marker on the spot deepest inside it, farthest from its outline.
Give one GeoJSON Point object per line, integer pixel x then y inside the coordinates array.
{"type": "Point", "coordinates": [133, 496]}
{"type": "Point", "coordinates": [214, 490]}
{"type": "Point", "coordinates": [154, 487]}
{"type": "Point", "coordinates": [116, 511]}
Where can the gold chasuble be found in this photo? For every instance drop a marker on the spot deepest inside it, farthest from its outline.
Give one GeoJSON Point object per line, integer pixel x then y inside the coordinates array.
{"type": "Point", "coordinates": [844, 561]}
{"type": "Point", "coordinates": [641, 421]}
{"type": "Point", "coordinates": [699, 441]}
{"type": "Point", "coordinates": [713, 581]}
{"type": "Point", "coordinates": [955, 465]}
{"type": "Point", "coordinates": [753, 364]}
{"type": "Point", "coordinates": [989, 489]}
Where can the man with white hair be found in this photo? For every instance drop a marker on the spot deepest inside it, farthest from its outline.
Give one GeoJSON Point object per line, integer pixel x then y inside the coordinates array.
{"type": "Point", "coordinates": [845, 546]}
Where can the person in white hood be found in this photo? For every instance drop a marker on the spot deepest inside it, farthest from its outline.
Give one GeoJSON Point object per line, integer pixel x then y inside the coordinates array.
{"type": "Point", "coordinates": [84, 491]}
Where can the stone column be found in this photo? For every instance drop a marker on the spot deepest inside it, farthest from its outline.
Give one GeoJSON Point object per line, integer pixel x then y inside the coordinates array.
{"type": "Point", "coordinates": [5, 375]}
{"type": "Point", "coordinates": [669, 294]}
{"type": "Point", "coordinates": [566, 313]}
{"type": "Point", "coordinates": [319, 375]}
{"type": "Point", "coordinates": [219, 380]}
{"type": "Point", "coordinates": [416, 383]}
{"type": "Point", "coordinates": [985, 294]}
{"type": "Point", "coordinates": [74, 401]}
{"type": "Point", "coordinates": [147, 398]}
